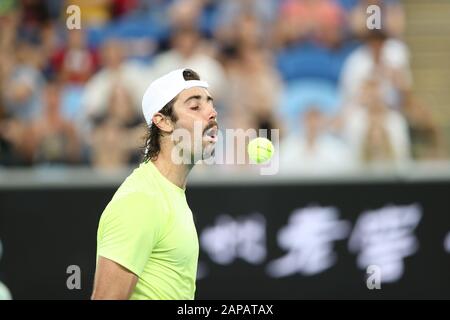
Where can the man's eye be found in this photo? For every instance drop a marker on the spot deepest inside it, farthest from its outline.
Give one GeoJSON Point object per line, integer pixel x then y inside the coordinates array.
{"type": "Point", "coordinates": [195, 108]}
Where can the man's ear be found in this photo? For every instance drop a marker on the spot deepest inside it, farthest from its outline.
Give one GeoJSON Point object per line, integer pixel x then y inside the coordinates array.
{"type": "Point", "coordinates": [163, 122]}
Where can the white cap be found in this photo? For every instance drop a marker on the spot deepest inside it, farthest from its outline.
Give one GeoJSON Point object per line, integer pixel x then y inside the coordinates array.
{"type": "Point", "coordinates": [163, 90]}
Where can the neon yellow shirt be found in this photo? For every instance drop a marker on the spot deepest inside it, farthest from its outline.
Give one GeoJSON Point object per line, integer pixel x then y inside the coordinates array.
{"type": "Point", "coordinates": [148, 228]}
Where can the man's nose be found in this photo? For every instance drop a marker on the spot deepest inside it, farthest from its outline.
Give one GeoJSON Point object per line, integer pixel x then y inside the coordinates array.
{"type": "Point", "coordinates": [212, 114]}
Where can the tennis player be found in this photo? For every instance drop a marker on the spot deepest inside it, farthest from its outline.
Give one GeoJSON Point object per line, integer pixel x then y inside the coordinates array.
{"type": "Point", "coordinates": [147, 244]}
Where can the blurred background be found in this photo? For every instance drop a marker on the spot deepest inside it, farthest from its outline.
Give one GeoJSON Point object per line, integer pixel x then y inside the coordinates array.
{"type": "Point", "coordinates": [364, 124]}
{"type": "Point", "coordinates": [342, 95]}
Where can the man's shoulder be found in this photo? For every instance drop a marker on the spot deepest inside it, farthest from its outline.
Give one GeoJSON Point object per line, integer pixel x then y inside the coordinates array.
{"type": "Point", "coordinates": [136, 191]}
{"type": "Point", "coordinates": [137, 182]}
{"type": "Point", "coordinates": [134, 207]}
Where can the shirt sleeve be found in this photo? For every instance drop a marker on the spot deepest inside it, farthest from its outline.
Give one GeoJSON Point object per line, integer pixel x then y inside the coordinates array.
{"type": "Point", "coordinates": [129, 229]}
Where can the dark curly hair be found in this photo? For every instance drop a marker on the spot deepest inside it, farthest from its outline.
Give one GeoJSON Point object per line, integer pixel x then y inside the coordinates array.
{"type": "Point", "coordinates": [152, 145]}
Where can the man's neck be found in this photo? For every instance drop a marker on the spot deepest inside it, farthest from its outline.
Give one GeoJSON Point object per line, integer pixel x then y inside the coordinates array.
{"type": "Point", "coordinates": [175, 173]}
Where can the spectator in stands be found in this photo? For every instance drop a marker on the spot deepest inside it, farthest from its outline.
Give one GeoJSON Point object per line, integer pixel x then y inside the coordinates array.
{"type": "Point", "coordinates": [428, 142]}
{"type": "Point", "coordinates": [254, 84]}
{"type": "Point", "coordinates": [15, 147]}
{"type": "Point", "coordinates": [115, 139]}
{"type": "Point", "coordinates": [301, 20]}
{"type": "Point", "coordinates": [190, 50]}
{"type": "Point", "coordinates": [380, 56]}
{"type": "Point", "coordinates": [375, 132]}
{"type": "Point", "coordinates": [22, 83]}
{"type": "Point", "coordinates": [185, 14]}
{"type": "Point", "coordinates": [319, 52]}
{"type": "Point", "coordinates": [228, 14]}
{"type": "Point", "coordinates": [314, 149]}
{"type": "Point", "coordinates": [21, 87]}
{"type": "Point", "coordinates": [330, 32]}
{"type": "Point", "coordinates": [55, 140]}
{"type": "Point", "coordinates": [115, 69]}
{"type": "Point", "coordinates": [74, 62]}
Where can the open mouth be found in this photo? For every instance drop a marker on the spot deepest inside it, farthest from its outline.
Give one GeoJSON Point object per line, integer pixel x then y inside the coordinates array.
{"type": "Point", "coordinates": [211, 134]}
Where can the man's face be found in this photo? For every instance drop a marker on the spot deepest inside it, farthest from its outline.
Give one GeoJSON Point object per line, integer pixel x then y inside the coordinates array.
{"type": "Point", "coordinates": [197, 118]}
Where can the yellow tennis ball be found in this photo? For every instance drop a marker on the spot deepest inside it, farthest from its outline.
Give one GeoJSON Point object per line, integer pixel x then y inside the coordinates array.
{"type": "Point", "coordinates": [260, 150]}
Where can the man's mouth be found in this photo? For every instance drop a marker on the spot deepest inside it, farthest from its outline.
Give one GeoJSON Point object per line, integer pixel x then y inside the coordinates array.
{"type": "Point", "coordinates": [211, 134]}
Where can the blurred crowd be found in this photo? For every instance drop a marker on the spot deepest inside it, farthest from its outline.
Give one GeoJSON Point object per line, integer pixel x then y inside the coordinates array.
{"type": "Point", "coordinates": [341, 94]}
